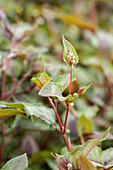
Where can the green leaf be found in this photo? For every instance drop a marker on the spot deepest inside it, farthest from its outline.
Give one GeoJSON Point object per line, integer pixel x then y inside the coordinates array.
{"type": "Point", "coordinates": [69, 54]}
{"type": "Point", "coordinates": [63, 81]}
{"type": "Point", "coordinates": [51, 163]}
{"type": "Point", "coordinates": [10, 112]}
{"type": "Point", "coordinates": [100, 158]}
{"type": "Point", "coordinates": [52, 90]}
{"type": "Point", "coordinates": [17, 66]}
{"type": "Point", "coordinates": [41, 111]}
{"type": "Point", "coordinates": [35, 125]}
{"type": "Point", "coordinates": [90, 144]}
{"type": "Point", "coordinates": [89, 111]}
{"type": "Point", "coordinates": [107, 155]}
{"type": "Point", "coordinates": [107, 158]}
{"type": "Point", "coordinates": [40, 79]}
{"type": "Point", "coordinates": [84, 125]}
{"type": "Point", "coordinates": [17, 163]}
{"type": "Point", "coordinates": [39, 157]}
{"type": "Point", "coordinates": [11, 122]}
{"type": "Point", "coordinates": [74, 153]}
{"type": "Point", "coordinates": [14, 105]}
{"type": "Point", "coordinates": [11, 109]}
{"type": "Point", "coordinates": [85, 164]}
{"type": "Point", "coordinates": [95, 155]}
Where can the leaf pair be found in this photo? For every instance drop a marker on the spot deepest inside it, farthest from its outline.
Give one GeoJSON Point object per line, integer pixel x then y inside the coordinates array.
{"type": "Point", "coordinates": [54, 88]}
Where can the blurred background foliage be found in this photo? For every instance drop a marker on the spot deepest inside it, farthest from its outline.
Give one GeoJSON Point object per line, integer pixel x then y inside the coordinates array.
{"type": "Point", "coordinates": [32, 30]}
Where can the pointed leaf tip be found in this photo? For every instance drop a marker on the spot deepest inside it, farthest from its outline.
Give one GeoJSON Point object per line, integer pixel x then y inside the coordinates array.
{"type": "Point", "coordinates": [82, 90]}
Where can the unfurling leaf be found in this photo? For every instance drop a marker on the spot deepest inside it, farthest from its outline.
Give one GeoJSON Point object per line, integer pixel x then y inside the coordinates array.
{"type": "Point", "coordinates": [70, 55]}
{"type": "Point", "coordinates": [81, 91]}
{"type": "Point", "coordinates": [40, 79]}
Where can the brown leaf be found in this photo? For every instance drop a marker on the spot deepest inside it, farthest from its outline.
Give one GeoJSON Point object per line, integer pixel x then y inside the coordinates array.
{"type": "Point", "coordinates": [79, 22]}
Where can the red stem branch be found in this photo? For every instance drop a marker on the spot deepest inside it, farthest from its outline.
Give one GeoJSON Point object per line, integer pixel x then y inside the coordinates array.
{"type": "Point", "coordinates": [69, 146]}
{"type": "Point", "coordinates": [67, 112]}
{"type": "Point", "coordinates": [64, 137]}
{"type": "Point", "coordinates": [5, 62]}
{"type": "Point", "coordinates": [56, 113]}
{"type": "Point", "coordinates": [65, 124]}
{"type": "Point", "coordinates": [66, 142]}
{"type": "Point", "coordinates": [25, 90]}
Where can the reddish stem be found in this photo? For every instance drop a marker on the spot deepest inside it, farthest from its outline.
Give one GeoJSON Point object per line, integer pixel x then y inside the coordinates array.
{"type": "Point", "coordinates": [66, 118]}
{"type": "Point", "coordinates": [6, 61]}
{"type": "Point", "coordinates": [3, 141]}
{"type": "Point", "coordinates": [65, 124]}
{"type": "Point", "coordinates": [64, 137]}
{"type": "Point", "coordinates": [25, 90]}
{"type": "Point", "coordinates": [70, 78]}
{"type": "Point", "coordinates": [57, 129]}
{"type": "Point", "coordinates": [67, 112]}
{"type": "Point", "coordinates": [53, 156]}
{"type": "Point", "coordinates": [66, 142]}
{"type": "Point", "coordinates": [56, 113]}
{"type": "Point", "coordinates": [58, 118]}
